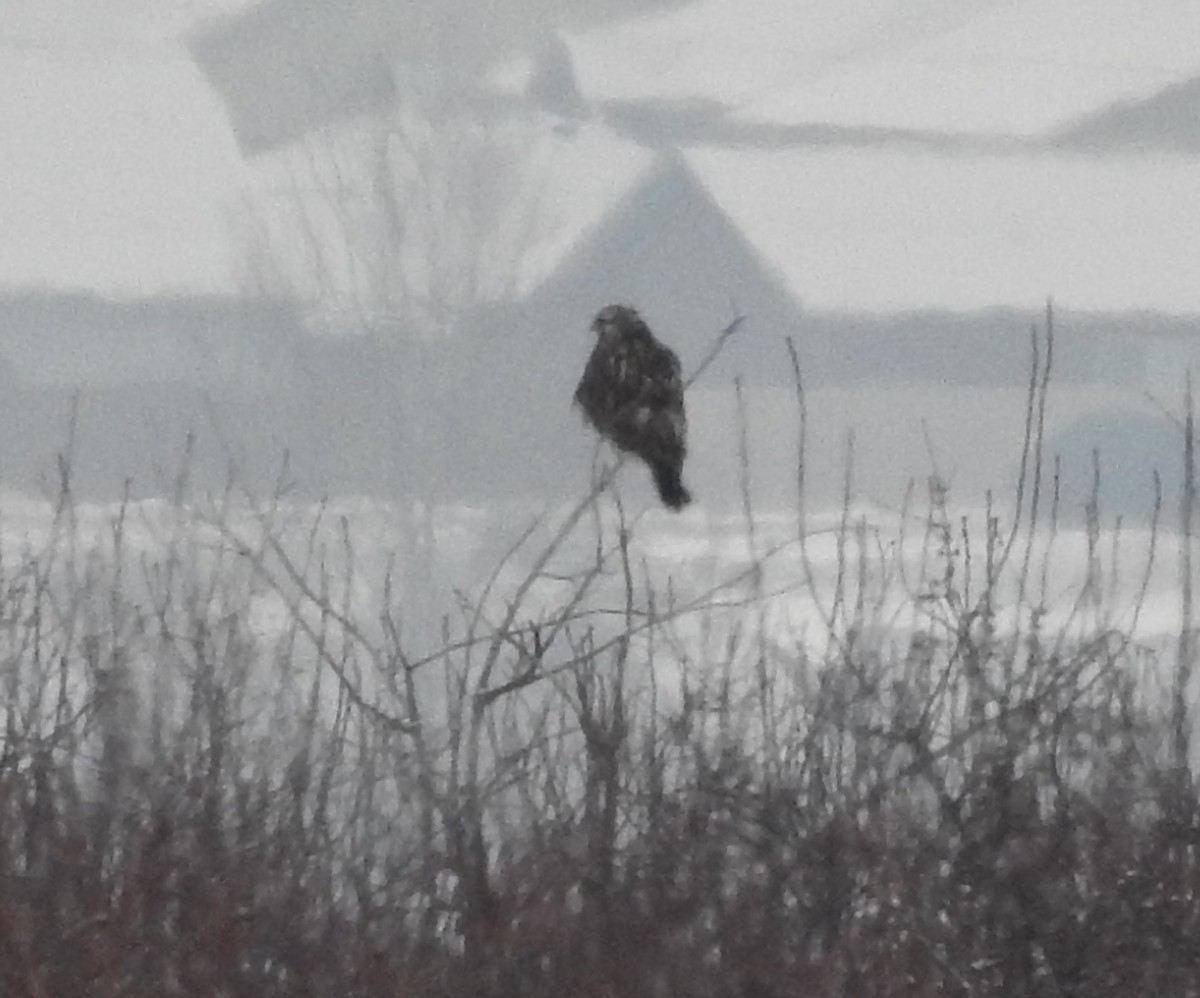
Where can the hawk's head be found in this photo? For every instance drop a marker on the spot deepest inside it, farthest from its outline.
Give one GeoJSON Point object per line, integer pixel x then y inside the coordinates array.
{"type": "Point", "coordinates": [615, 319]}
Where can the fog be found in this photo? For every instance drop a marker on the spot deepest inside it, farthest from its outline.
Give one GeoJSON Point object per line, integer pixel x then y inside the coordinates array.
{"type": "Point", "coordinates": [340, 655]}
{"type": "Point", "coordinates": [371, 237]}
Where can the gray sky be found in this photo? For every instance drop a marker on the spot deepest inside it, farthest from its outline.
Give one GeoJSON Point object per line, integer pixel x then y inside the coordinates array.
{"type": "Point", "coordinates": [120, 165]}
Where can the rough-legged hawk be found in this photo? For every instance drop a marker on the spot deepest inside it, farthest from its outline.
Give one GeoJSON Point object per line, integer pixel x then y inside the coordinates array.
{"type": "Point", "coordinates": [632, 393]}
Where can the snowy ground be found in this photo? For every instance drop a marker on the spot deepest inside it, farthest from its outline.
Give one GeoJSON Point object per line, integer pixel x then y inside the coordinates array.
{"type": "Point", "coordinates": [255, 600]}
{"type": "Point", "coordinates": [891, 567]}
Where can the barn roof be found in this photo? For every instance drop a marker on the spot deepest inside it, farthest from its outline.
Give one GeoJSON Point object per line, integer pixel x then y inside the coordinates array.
{"type": "Point", "coordinates": [667, 248]}
{"type": "Point", "coordinates": [667, 238]}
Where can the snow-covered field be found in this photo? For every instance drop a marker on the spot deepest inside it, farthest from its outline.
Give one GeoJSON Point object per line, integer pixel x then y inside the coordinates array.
{"type": "Point", "coordinates": [703, 578]}
{"type": "Point", "coordinates": [257, 616]}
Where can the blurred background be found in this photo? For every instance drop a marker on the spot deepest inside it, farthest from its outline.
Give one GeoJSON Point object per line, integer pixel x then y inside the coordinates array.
{"type": "Point", "coordinates": [373, 235]}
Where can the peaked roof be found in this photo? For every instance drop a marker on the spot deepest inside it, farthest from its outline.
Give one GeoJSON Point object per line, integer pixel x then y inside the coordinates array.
{"type": "Point", "coordinates": [668, 249]}
{"type": "Point", "coordinates": [663, 246]}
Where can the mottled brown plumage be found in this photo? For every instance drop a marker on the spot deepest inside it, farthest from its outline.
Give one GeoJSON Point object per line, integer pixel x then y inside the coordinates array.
{"type": "Point", "coordinates": [632, 393]}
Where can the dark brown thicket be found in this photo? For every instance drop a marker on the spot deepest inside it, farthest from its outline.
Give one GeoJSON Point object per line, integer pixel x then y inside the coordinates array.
{"type": "Point", "coordinates": [566, 797]}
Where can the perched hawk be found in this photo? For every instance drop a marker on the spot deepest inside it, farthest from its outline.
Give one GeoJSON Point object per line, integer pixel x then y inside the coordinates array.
{"type": "Point", "coordinates": [632, 393]}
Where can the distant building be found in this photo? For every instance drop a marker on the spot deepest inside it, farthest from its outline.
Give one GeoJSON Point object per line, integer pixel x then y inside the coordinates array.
{"type": "Point", "coordinates": [665, 247]}
{"type": "Point", "coordinates": [669, 249]}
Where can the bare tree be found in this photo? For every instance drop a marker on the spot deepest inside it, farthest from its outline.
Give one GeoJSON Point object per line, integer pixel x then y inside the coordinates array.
{"type": "Point", "coordinates": [396, 227]}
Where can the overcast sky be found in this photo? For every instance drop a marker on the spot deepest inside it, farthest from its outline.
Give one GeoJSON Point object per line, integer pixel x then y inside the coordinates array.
{"type": "Point", "coordinates": [120, 165]}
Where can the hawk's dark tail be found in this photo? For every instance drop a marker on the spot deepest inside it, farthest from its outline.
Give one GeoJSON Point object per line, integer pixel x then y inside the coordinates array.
{"type": "Point", "coordinates": [671, 489]}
